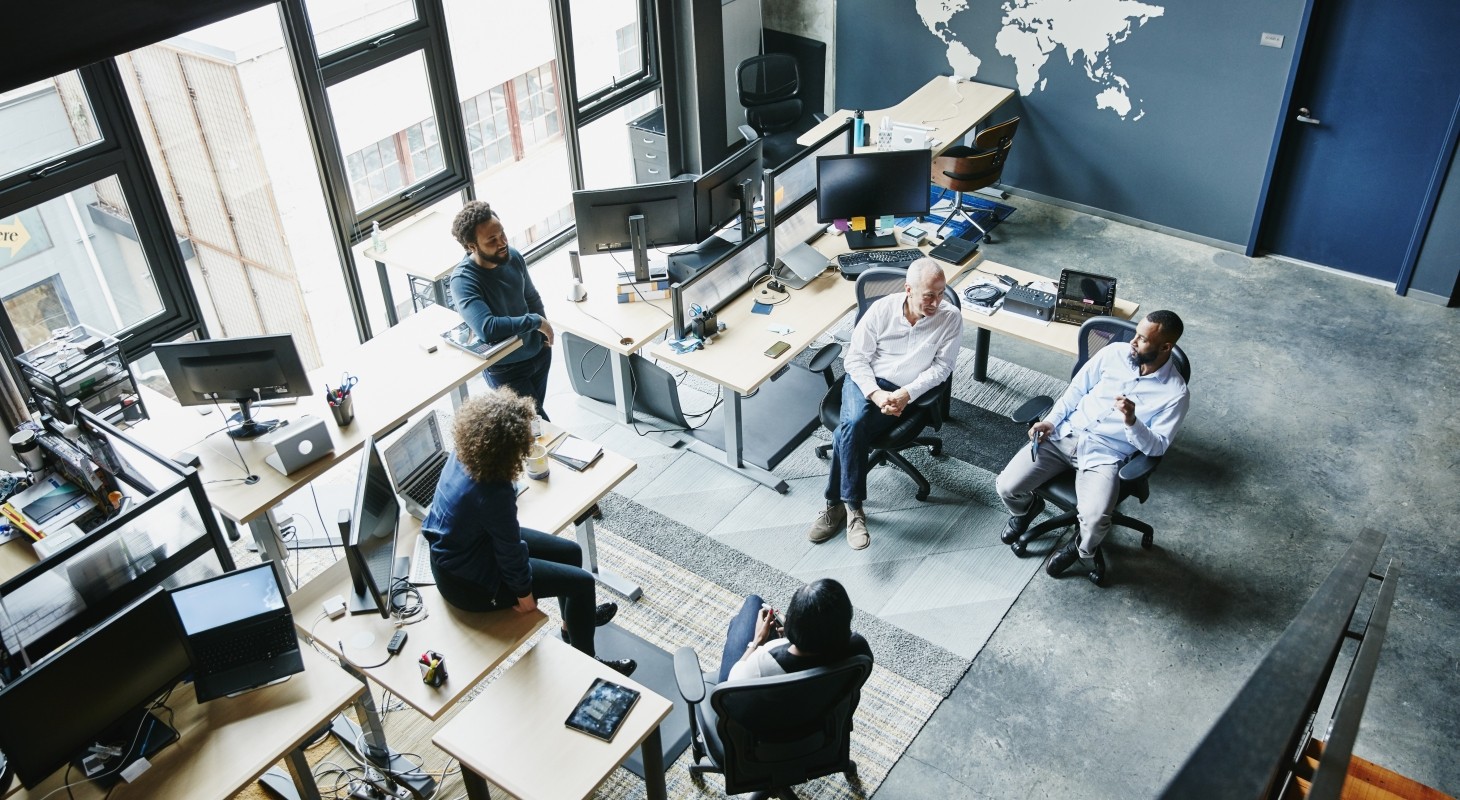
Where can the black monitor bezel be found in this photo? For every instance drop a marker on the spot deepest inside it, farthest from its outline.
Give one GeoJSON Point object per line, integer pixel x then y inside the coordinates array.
{"type": "Point", "coordinates": [281, 345]}
{"type": "Point", "coordinates": [362, 579]}
{"type": "Point", "coordinates": [921, 208]}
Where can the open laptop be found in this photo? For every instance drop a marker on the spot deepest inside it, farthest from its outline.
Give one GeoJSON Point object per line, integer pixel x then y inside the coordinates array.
{"type": "Point", "coordinates": [415, 461]}
{"type": "Point", "coordinates": [238, 632]}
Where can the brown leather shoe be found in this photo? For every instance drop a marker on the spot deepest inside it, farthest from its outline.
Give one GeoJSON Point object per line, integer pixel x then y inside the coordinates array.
{"type": "Point", "coordinates": [857, 535]}
{"type": "Point", "coordinates": [828, 523]}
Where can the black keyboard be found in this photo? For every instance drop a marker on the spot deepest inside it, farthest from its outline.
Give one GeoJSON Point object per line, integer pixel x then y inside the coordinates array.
{"type": "Point", "coordinates": [257, 643]}
{"type": "Point", "coordinates": [423, 490]}
{"type": "Point", "coordinates": [879, 258]}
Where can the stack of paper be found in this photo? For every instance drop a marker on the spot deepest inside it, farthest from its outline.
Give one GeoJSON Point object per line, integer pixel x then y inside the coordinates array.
{"type": "Point", "coordinates": [577, 454]}
{"type": "Point", "coordinates": [51, 503]}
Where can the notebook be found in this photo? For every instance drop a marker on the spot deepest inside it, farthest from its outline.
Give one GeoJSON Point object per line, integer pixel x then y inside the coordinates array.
{"type": "Point", "coordinates": [238, 632]}
{"type": "Point", "coordinates": [577, 454]}
{"type": "Point", "coordinates": [415, 461]}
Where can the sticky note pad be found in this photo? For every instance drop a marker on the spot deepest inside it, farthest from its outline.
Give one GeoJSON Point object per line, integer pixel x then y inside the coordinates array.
{"type": "Point", "coordinates": [840, 224]}
{"type": "Point", "coordinates": [884, 222]}
{"type": "Point", "coordinates": [858, 223]}
{"type": "Point", "coordinates": [760, 308]}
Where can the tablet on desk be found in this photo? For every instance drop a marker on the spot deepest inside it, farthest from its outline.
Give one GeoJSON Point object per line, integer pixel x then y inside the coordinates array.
{"type": "Point", "coordinates": [464, 338]}
{"type": "Point", "coordinates": [602, 710]}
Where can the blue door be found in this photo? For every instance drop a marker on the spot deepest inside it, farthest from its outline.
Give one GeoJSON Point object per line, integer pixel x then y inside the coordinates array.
{"type": "Point", "coordinates": [1376, 87]}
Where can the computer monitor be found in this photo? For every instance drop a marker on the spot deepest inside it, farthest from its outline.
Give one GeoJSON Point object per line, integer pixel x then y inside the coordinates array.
{"type": "Point", "coordinates": [96, 690]}
{"type": "Point", "coordinates": [636, 218]}
{"type": "Point", "coordinates": [725, 191]}
{"type": "Point", "coordinates": [244, 369]}
{"type": "Point", "coordinates": [871, 185]}
{"type": "Point", "coordinates": [370, 537]}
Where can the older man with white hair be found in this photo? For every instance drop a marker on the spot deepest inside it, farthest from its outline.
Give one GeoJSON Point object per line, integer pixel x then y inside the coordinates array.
{"type": "Point", "coordinates": [903, 347]}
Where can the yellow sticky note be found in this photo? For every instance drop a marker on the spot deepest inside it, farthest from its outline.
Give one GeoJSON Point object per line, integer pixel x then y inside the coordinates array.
{"type": "Point", "coordinates": [858, 223]}
{"type": "Point", "coordinates": [780, 195]}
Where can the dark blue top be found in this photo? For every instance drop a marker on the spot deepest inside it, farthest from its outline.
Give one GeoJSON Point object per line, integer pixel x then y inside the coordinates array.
{"type": "Point", "coordinates": [500, 302]}
{"type": "Point", "coordinates": [473, 531]}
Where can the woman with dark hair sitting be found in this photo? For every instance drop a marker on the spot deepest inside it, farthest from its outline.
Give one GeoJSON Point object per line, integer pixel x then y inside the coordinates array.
{"type": "Point", "coordinates": [481, 558]}
{"type": "Point", "coordinates": [817, 632]}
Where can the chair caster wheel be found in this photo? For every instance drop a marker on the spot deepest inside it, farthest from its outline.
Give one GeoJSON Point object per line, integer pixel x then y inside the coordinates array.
{"type": "Point", "coordinates": [1097, 577]}
{"type": "Point", "coordinates": [1146, 541]}
{"type": "Point", "coordinates": [935, 450]}
{"type": "Point", "coordinates": [921, 495]}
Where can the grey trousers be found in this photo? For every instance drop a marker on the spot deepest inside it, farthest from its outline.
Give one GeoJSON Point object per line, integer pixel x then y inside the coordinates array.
{"type": "Point", "coordinates": [1095, 488]}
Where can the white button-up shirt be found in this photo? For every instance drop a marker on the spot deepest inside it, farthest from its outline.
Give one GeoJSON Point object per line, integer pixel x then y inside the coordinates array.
{"type": "Point", "coordinates": [1086, 410]}
{"type": "Point", "coordinates": [916, 357]}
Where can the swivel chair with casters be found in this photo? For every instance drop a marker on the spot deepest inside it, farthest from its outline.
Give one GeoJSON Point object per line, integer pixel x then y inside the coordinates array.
{"type": "Point", "coordinates": [769, 88]}
{"type": "Point", "coordinates": [1135, 474]}
{"type": "Point", "coordinates": [767, 735]}
{"type": "Point", "coordinates": [965, 169]}
{"type": "Point", "coordinates": [929, 411]}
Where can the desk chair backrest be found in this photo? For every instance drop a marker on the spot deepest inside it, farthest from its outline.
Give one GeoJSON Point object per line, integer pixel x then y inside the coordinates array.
{"type": "Point", "coordinates": [964, 169]}
{"type": "Point", "coordinates": [1097, 332]}
{"type": "Point", "coordinates": [781, 731]}
{"type": "Point", "coordinates": [996, 137]}
{"type": "Point", "coordinates": [769, 88]}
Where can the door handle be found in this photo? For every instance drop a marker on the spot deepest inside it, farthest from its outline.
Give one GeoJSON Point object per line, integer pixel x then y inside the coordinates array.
{"type": "Point", "coordinates": [1305, 119]}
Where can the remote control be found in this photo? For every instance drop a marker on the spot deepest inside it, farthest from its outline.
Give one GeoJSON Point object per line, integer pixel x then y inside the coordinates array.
{"type": "Point", "coordinates": [397, 642]}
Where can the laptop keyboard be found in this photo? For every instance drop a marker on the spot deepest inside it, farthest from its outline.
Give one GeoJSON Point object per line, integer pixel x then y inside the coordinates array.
{"type": "Point", "coordinates": [423, 489]}
{"type": "Point", "coordinates": [252, 645]}
{"type": "Point", "coordinates": [421, 564]}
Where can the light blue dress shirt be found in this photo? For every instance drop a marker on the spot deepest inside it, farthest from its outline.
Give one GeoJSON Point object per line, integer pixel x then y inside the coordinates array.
{"type": "Point", "coordinates": [1086, 410]}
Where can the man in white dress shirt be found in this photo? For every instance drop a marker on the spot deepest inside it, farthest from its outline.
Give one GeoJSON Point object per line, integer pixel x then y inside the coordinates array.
{"type": "Point", "coordinates": [1123, 401]}
{"type": "Point", "coordinates": [903, 347]}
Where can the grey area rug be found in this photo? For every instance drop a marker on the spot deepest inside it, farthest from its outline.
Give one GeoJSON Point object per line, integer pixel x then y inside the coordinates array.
{"type": "Point", "coordinates": [912, 657]}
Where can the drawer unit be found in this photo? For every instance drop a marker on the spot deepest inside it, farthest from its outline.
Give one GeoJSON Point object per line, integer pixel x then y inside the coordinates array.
{"type": "Point", "coordinates": [649, 147]}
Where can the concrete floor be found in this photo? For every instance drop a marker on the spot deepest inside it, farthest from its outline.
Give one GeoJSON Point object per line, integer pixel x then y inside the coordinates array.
{"type": "Point", "coordinates": [1322, 405]}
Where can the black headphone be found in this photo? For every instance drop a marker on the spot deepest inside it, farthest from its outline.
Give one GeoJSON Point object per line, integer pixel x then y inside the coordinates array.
{"type": "Point", "coordinates": [983, 294]}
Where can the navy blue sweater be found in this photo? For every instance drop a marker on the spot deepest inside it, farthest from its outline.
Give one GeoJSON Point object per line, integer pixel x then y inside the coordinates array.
{"type": "Point", "coordinates": [500, 302]}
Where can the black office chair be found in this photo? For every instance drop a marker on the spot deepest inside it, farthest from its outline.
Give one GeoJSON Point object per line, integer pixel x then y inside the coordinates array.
{"type": "Point", "coordinates": [768, 735]}
{"type": "Point", "coordinates": [1097, 332]}
{"type": "Point", "coordinates": [769, 88]}
{"type": "Point", "coordinates": [929, 411]}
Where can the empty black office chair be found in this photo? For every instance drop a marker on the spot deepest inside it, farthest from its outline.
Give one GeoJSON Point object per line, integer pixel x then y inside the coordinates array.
{"type": "Point", "coordinates": [1096, 333]}
{"type": "Point", "coordinates": [963, 169]}
{"type": "Point", "coordinates": [769, 88]}
{"type": "Point", "coordinates": [929, 411]}
{"type": "Point", "coordinates": [770, 734]}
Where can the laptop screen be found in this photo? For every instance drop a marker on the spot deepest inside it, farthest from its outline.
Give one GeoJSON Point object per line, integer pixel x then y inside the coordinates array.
{"type": "Point", "coordinates": [413, 449]}
{"type": "Point", "coordinates": [232, 597]}
{"type": "Point", "coordinates": [1085, 288]}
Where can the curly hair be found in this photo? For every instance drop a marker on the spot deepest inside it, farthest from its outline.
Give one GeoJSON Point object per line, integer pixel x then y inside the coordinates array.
{"type": "Point", "coordinates": [464, 227]}
{"type": "Point", "coordinates": [493, 432]}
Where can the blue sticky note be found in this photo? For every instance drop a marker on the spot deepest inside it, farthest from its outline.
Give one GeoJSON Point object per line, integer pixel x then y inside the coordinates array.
{"type": "Point", "coordinates": [760, 308]}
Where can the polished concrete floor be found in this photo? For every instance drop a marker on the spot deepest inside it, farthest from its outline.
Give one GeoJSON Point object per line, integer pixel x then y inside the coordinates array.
{"type": "Point", "coordinates": [1322, 405]}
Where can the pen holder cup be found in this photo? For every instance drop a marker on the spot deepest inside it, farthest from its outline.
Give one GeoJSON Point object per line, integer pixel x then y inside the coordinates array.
{"type": "Point", "coordinates": [536, 463]}
{"type": "Point", "coordinates": [344, 410]}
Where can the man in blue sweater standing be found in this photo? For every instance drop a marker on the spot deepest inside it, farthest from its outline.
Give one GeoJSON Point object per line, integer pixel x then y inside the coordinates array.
{"type": "Point", "coordinates": [495, 295]}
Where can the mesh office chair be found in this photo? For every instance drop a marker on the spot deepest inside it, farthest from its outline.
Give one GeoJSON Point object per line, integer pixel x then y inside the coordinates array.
{"type": "Point", "coordinates": [1135, 474]}
{"type": "Point", "coordinates": [770, 734]}
{"type": "Point", "coordinates": [965, 169]}
{"type": "Point", "coordinates": [769, 88]}
{"type": "Point", "coordinates": [929, 411]}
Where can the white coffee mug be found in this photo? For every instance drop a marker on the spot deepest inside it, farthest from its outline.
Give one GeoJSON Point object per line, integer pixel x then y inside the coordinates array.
{"type": "Point", "coordinates": [536, 462]}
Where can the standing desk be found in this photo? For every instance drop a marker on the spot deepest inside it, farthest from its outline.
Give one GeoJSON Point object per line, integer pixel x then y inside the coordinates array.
{"type": "Point", "coordinates": [398, 378]}
{"type": "Point", "coordinates": [228, 743]}
{"type": "Point", "coordinates": [514, 733]}
{"type": "Point", "coordinates": [1056, 336]}
{"type": "Point", "coordinates": [425, 250]}
{"type": "Point", "coordinates": [951, 111]}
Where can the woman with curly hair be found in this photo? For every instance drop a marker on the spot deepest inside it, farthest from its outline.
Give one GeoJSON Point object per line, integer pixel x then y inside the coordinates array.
{"type": "Point", "coordinates": [481, 558]}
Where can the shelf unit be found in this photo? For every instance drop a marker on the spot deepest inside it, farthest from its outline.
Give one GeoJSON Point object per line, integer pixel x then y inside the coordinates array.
{"type": "Point", "coordinates": [61, 369]}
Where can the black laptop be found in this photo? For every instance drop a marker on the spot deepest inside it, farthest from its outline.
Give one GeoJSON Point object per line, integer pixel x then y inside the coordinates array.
{"type": "Point", "coordinates": [238, 632]}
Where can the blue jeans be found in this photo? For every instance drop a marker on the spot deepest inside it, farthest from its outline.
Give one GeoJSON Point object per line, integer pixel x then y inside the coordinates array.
{"type": "Point", "coordinates": [557, 571]}
{"type": "Point", "coordinates": [861, 422]}
{"type": "Point", "coordinates": [739, 634]}
{"type": "Point", "coordinates": [527, 378]}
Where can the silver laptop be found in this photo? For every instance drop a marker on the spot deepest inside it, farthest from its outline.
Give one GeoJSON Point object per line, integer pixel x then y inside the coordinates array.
{"type": "Point", "coordinates": [415, 461]}
{"type": "Point", "coordinates": [800, 265]}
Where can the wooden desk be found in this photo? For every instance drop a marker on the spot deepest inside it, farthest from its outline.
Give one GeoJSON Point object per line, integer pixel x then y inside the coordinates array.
{"type": "Point", "coordinates": [228, 743]}
{"type": "Point", "coordinates": [1057, 336]}
{"type": "Point", "coordinates": [425, 250]}
{"type": "Point", "coordinates": [513, 733]}
{"type": "Point", "coordinates": [600, 318]}
{"type": "Point", "coordinates": [398, 378]}
{"type": "Point", "coordinates": [951, 111]}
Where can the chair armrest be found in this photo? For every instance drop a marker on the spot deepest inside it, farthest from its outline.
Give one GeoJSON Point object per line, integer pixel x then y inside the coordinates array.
{"type": "Point", "coordinates": [1030, 412]}
{"type": "Point", "coordinates": [687, 674]}
{"type": "Point", "coordinates": [1139, 467]}
{"type": "Point", "coordinates": [749, 133]}
{"type": "Point", "coordinates": [825, 357]}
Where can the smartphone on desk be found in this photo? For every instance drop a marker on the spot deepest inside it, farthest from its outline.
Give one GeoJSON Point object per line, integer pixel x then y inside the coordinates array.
{"type": "Point", "coordinates": [777, 350]}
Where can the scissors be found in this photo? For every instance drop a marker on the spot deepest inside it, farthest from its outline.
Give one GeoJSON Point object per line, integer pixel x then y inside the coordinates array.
{"type": "Point", "coordinates": [347, 382]}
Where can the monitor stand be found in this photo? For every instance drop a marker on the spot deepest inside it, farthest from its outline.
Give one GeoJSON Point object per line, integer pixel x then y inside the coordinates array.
{"type": "Point", "coordinates": [363, 603]}
{"type": "Point", "coordinates": [247, 426]}
{"type": "Point", "coordinates": [868, 239]}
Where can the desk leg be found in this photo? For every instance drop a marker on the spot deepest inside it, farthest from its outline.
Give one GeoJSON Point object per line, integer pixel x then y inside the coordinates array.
{"type": "Point", "coordinates": [614, 582]}
{"type": "Point", "coordinates": [476, 786]}
{"type": "Point", "coordinates": [652, 752]}
{"type": "Point", "coordinates": [390, 315]}
{"type": "Point", "coordinates": [981, 355]}
{"type": "Point", "coordinates": [231, 528]}
{"type": "Point", "coordinates": [303, 776]}
{"type": "Point", "coordinates": [271, 547]}
{"type": "Point", "coordinates": [622, 388]}
{"type": "Point", "coordinates": [734, 444]}
{"type": "Point", "coordinates": [368, 741]}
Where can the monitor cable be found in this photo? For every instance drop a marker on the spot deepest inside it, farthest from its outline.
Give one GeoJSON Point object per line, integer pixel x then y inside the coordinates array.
{"type": "Point", "coordinates": [250, 478]}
